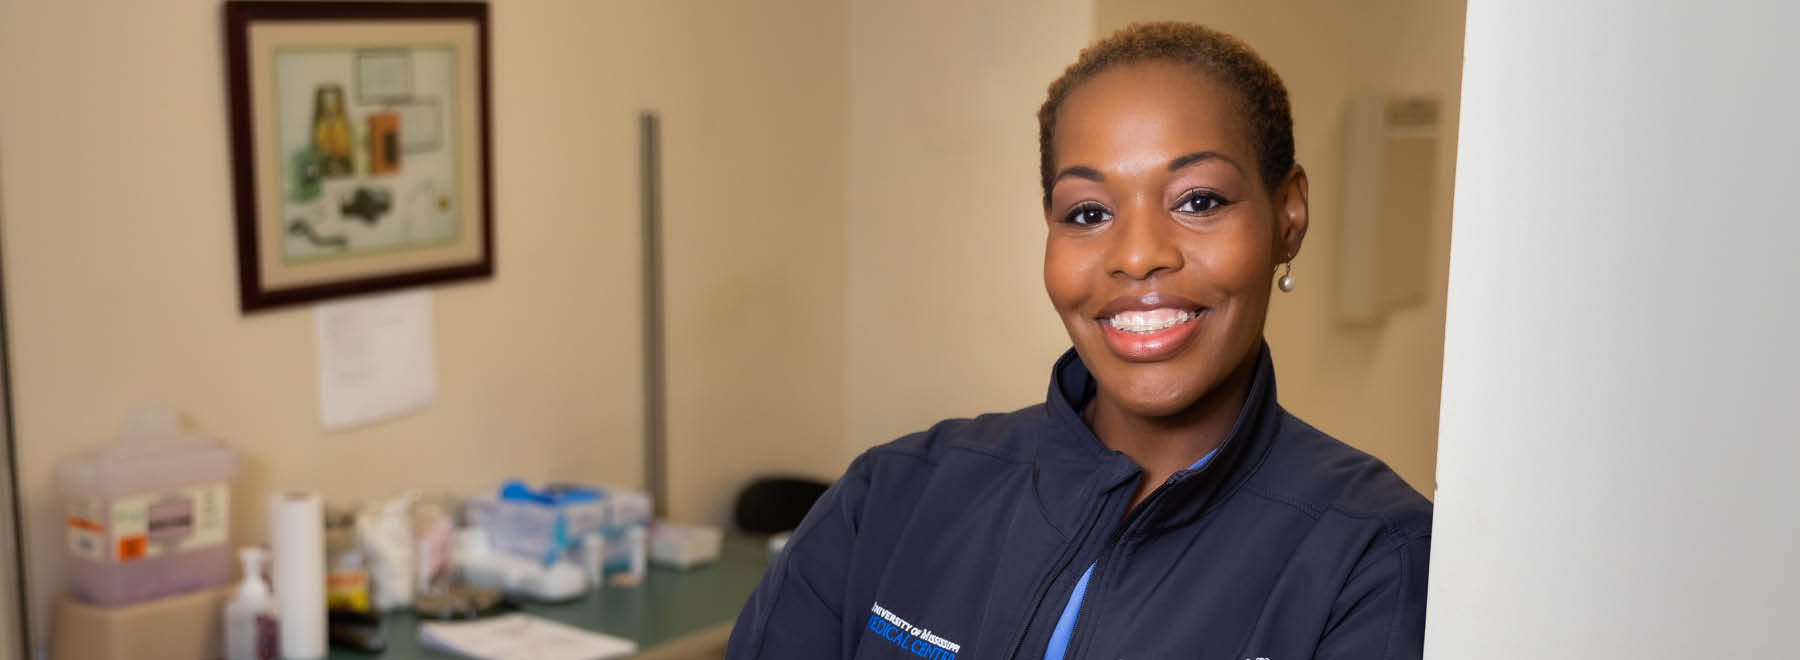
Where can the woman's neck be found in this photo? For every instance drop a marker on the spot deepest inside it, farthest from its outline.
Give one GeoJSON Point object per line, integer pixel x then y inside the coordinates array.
{"type": "Point", "coordinates": [1165, 445]}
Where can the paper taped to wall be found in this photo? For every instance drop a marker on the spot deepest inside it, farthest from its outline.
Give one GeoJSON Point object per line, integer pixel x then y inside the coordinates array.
{"type": "Point", "coordinates": [377, 357]}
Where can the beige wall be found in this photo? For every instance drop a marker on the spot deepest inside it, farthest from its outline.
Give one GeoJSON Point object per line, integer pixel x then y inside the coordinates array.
{"type": "Point", "coordinates": [121, 284]}
{"type": "Point", "coordinates": [1375, 387]}
{"type": "Point", "coordinates": [753, 99]}
{"type": "Point", "coordinates": [947, 311]}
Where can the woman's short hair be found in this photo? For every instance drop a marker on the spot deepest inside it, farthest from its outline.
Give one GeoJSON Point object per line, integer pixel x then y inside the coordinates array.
{"type": "Point", "coordinates": [1222, 57]}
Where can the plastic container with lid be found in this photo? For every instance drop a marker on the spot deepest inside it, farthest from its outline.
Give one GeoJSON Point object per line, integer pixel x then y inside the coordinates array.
{"type": "Point", "coordinates": [148, 513]}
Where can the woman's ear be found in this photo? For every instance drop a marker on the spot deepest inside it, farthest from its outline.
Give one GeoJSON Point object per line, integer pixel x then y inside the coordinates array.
{"type": "Point", "coordinates": [1291, 216]}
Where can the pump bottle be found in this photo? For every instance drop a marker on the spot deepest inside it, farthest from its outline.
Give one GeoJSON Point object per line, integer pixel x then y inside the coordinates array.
{"type": "Point", "coordinates": [251, 624]}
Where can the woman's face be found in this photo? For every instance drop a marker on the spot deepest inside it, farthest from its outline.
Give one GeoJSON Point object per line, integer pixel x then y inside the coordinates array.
{"type": "Point", "coordinates": [1162, 237]}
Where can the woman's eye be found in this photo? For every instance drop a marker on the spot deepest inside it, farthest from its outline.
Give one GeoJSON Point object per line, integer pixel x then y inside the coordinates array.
{"type": "Point", "coordinates": [1088, 215]}
{"type": "Point", "coordinates": [1200, 202]}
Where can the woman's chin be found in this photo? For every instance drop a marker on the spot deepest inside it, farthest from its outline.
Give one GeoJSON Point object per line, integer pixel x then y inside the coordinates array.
{"type": "Point", "coordinates": [1153, 399]}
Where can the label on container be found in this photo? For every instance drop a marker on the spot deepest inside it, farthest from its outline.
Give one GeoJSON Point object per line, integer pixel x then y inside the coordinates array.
{"type": "Point", "coordinates": [87, 537]}
{"type": "Point", "coordinates": [347, 590]}
{"type": "Point", "coordinates": [147, 526]}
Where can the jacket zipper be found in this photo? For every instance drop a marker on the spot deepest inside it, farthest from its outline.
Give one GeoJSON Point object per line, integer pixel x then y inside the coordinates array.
{"type": "Point", "coordinates": [1095, 588]}
{"type": "Point", "coordinates": [1096, 584]}
{"type": "Point", "coordinates": [1043, 587]}
{"type": "Point", "coordinates": [1073, 650]}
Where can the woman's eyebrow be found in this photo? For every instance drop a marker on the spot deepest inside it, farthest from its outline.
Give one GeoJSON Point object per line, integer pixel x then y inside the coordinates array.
{"type": "Point", "coordinates": [1202, 156]}
{"type": "Point", "coordinates": [1091, 174]}
{"type": "Point", "coordinates": [1080, 171]}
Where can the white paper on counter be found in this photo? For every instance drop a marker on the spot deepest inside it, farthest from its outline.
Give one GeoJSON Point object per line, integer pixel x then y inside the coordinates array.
{"type": "Point", "coordinates": [521, 636]}
{"type": "Point", "coordinates": [377, 357]}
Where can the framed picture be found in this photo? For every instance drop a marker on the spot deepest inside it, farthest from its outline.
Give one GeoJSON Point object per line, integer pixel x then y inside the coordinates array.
{"type": "Point", "coordinates": [360, 146]}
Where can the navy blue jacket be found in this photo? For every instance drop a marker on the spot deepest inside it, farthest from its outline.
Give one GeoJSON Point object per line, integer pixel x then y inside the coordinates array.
{"type": "Point", "coordinates": [964, 542]}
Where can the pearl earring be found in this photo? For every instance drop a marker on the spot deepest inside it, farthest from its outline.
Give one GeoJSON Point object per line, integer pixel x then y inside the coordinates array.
{"type": "Point", "coordinates": [1286, 283]}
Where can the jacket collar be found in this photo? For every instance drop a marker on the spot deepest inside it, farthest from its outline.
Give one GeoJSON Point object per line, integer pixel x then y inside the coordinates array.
{"type": "Point", "coordinates": [1074, 465]}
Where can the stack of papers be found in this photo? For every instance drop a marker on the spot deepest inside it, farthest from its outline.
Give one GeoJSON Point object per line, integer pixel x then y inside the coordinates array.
{"type": "Point", "coordinates": [521, 636]}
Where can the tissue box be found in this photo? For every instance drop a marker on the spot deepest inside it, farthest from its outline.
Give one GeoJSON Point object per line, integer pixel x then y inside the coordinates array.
{"type": "Point", "coordinates": [684, 546]}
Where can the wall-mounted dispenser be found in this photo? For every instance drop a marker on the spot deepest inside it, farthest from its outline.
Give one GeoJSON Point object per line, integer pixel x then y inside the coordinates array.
{"type": "Point", "coordinates": [1391, 147]}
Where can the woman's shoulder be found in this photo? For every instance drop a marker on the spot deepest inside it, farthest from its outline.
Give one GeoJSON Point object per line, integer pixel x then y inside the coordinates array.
{"type": "Point", "coordinates": [1007, 436]}
{"type": "Point", "coordinates": [1323, 476]}
{"type": "Point", "coordinates": [952, 457]}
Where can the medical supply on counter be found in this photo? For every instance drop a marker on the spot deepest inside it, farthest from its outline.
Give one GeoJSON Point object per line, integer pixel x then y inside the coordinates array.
{"type": "Point", "coordinates": [346, 573]}
{"type": "Point", "coordinates": [146, 515]}
{"type": "Point", "coordinates": [251, 621]}
{"type": "Point", "coordinates": [297, 545]}
{"type": "Point", "coordinates": [433, 524]}
{"type": "Point", "coordinates": [469, 542]}
{"type": "Point", "coordinates": [539, 524]}
{"type": "Point", "coordinates": [625, 510]}
{"type": "Point", "coordinates": [637, 545]}
{"type": "Point", "coordinates": [347, 582]}
{"type": "Point", "coordinates": [684, 546]}
{"type": "Point", "coordinates": [593, 559]}
{"type": "Point", "coordinates": [484, 568]}
{"type": "Point", "coordinates": [556, 583]}
{"type": "Point", "coordinates": [462, 601]}
{"type": "Point", "coordinates": [639, 538]}
{"type": "Point", "coordinates": [384, 530]}
{"type": "Point", "coordinates": [181, 626]}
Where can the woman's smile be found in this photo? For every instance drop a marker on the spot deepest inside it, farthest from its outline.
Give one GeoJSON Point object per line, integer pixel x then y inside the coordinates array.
{"type": "Point", "coordinates": [1151, 327]}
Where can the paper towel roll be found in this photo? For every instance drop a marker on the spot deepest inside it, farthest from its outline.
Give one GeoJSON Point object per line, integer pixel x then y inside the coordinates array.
{"type": "Point", "coordinates": [297, 544]}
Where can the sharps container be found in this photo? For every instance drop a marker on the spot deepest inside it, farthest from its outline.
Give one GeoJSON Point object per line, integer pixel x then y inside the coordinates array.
{"type": "Point", "coordinates": [147, 514]}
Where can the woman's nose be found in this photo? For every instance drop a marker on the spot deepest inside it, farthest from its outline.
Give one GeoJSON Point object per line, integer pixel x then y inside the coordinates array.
{"type": "Point", "coordinates": [1142, 245]}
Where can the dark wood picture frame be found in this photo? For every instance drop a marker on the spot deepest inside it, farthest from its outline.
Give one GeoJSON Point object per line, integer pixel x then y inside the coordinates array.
{"type": "Point", "coordinates": [255, 292]}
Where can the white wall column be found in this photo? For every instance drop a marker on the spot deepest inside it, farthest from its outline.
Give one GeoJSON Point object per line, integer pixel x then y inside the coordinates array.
{"type": "Point", "coordinates": [1618, 448]}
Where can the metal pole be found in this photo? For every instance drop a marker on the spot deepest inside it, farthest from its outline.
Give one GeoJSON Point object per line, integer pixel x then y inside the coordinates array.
{"type": "Point", "coordinates": [655, 408]}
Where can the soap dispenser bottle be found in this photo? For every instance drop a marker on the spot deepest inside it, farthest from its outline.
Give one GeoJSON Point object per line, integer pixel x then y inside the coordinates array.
{"type": "Point", "coordinates": [251, 626]}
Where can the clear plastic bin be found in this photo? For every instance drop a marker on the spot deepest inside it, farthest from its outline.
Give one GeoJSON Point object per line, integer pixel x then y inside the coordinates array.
{"type": "Point", "coordinates": [548, 524]}
{"type": "Point", "coordinates": [148, 514]}
{"type": "Point", "coordinates": [532, 530]}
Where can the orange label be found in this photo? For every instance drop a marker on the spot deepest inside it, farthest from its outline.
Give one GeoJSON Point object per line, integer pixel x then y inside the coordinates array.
{"type": "Point", "coordinates": [133, 547]}
{"type": "Point", "coordinates": [83, 523]}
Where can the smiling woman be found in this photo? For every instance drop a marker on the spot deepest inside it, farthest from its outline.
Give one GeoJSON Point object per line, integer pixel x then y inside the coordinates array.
{"type": "Point", "coordinates": [1160, 502]}
{"type": "Point", "coordinates": [1156, 216]}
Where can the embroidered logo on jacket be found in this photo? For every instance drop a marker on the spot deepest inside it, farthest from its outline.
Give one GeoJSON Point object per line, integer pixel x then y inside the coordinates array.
{"type": "Point", "coordinates": [918, 641]}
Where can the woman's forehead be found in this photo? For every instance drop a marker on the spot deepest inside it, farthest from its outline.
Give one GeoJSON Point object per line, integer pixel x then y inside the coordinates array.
{"type": "Point", "coordinates": [1144, 114]}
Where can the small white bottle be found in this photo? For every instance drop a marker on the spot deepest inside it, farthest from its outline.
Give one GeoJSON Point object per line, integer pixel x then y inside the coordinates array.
{"type": "Point", "coordinates": [638, 538]}
{"type": "Point", "coordinates": [251, 622]}
{"type": "Point", "coordinates": [593, 559]}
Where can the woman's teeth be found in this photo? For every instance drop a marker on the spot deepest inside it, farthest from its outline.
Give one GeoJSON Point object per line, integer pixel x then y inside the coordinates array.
{"type": "Point", "coordinates": [1150, 321]}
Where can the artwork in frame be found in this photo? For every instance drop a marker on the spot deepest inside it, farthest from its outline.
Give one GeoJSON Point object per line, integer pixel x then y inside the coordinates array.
{"type": "Point", "coordinates": [360, 146]}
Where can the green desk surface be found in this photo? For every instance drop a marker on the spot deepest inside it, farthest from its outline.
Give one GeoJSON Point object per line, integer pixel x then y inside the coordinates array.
{"type": "Point", "coordinates": [668, 605]}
